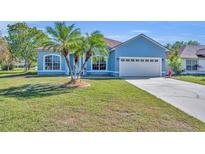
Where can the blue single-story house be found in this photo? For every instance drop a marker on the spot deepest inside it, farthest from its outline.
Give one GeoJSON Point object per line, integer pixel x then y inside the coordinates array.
{"type": "Point", "coordinates": [139, 56]}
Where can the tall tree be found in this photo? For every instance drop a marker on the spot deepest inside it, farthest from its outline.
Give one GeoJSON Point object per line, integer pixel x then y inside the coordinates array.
{"type": "Point", "coordinates": [24, 42]}
{"type": "Point", "coordinates": [5, 55]}
{"type": "Point", "coordinates": [64, 39]}
{"type": "Point", "coordinates": [178, 44]}
{"type": "Point", "coordinates": [191, 42]}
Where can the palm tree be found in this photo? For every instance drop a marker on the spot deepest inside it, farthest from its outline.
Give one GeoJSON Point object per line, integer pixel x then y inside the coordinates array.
{"type": "Point", "coordinates": [63, 39]}
{"type": "Point", "coordinates": [93, 44]}
{"type": "Point", "coordinates": [78, 52]}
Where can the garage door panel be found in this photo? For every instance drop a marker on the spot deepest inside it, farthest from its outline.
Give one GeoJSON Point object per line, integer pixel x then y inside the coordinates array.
{"type": "Point", "coordinates": [136, 66]}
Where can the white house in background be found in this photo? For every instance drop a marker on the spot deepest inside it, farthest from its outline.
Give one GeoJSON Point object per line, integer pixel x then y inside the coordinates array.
{"type": "Point", "coordinates": [193, 57]}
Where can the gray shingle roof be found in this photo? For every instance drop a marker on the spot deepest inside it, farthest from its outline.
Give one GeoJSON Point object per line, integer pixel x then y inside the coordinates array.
{"type": "Point", "coordinates": [201, 52]}
{"type": "Point", "coordinates": [192, 51]}
{"type": "Point", "coordinates": [111, 43]}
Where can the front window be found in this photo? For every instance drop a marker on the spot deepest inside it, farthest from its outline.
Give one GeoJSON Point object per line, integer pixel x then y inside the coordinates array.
{"type": "Point", "coordinates": [191, 65]}
{"type": "Point", "coordinates": [52, 62]}
{"type": "Point", "coordinates": [99, 63]}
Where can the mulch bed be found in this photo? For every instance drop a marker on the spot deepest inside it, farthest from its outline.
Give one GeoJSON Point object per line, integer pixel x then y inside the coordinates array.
{"type": "Point", "coordinates": [76, 84]}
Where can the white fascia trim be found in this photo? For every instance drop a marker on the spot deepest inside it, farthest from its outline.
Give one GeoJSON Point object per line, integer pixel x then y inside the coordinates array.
{"type": "Point", "coordinates": [144, 36]}
{"type": "Point", "coordinates": [153, 41]}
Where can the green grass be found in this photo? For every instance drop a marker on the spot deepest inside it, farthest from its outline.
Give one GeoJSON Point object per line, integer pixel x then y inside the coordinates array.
{"type": "Point", "coordinates": [16, 72]}
{"type": "Point", "coordinates": [192, 78]}
{"type": "Point", "coordinates": [40, 104]}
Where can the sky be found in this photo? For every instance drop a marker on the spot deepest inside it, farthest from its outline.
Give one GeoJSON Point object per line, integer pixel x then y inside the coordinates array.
{"type": "Point", "coordinates": [164, 32]}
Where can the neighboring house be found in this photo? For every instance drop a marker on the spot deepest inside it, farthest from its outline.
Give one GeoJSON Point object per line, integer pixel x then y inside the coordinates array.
{"type": "Point", "coordinates": [19, 64]}
{"type": "Point", "coordinates": [139, 56]}
{"type": "Point", "coordinates": [193, 57]}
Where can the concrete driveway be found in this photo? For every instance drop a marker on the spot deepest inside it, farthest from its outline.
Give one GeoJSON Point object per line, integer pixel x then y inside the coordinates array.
{"type": "Point", "coordinates": [188, 97]}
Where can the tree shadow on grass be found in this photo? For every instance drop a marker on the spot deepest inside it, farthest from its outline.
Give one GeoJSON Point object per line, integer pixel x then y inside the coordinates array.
{"type": "Point", "coordinates": [14, 74]}
{"type": "Point", "coordinates": [34, 90]}
{"type": "Point", "coordinates": [203, 80]}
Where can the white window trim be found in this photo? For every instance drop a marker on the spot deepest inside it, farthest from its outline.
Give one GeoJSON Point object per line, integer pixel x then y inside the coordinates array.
{"type": "Point", "coordinates": [99, 70]}
{"type": "Point", "coordinates": [60, 70]}
{"type": "Point", "coordinates": [191, 65]}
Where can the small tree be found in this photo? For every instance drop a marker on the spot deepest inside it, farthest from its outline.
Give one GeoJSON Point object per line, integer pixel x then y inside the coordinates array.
{"type": "Point", "coordinates": [175, 61]}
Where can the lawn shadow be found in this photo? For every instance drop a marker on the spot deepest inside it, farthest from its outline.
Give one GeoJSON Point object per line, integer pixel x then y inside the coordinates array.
{"type": "Point", "coordinates": [14, 75]}
{"type": "Point", "coordinates": [203, 80]}
{"type": "Point", "coordinates": [34, 90]}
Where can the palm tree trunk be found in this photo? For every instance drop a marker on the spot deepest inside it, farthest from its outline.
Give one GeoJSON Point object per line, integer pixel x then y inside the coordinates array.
{"type": "Point", "coordinates": [74, 70]}
{"type": "Point", "coordinates": [69, 65]}
{"type": "Point", "coordinates": [87, 57]}
{"type": "Point", "coordinates": [82, 68]}
{"type": "Point", "coordinates": [76, 60]}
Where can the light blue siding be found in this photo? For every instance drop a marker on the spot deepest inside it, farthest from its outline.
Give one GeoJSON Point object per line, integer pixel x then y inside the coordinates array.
{"type": "Point", "coordinates": [111, 61]}
{"type": "Point", "coordinates": [139, 47]}
{"type": "Point", "coordinates": [72, 60]}
{"type": "Point", "coordinates": [88, 65]}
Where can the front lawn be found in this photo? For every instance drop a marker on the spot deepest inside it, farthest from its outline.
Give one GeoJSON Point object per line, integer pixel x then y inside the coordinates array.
{"type": "Point", "coordinates": [16, 72]}
{"type": "Point", "coordinates": [40, 104]}
{"type": "Point", "coordinates": [192, 78]}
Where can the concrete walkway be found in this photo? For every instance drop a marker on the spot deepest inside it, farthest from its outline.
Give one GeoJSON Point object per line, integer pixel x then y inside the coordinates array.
{"type": "Point", "coordinates": [188, 97]}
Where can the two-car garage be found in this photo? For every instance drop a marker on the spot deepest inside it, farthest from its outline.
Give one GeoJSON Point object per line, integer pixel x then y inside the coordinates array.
{"type": "Point", "coordinates": [139, 66]}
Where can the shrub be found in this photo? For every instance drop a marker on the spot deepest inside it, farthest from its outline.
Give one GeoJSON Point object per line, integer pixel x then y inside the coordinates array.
{"type": "Point", "coordinates": [7, 67]}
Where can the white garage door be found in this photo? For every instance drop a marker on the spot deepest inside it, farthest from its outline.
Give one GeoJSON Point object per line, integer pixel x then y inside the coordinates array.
{"type": "Point", "coordinates": [139, 66]}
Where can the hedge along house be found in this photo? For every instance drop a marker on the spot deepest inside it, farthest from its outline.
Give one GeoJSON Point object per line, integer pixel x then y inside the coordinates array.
{"type": "Point", "coordinates": [137, 57]}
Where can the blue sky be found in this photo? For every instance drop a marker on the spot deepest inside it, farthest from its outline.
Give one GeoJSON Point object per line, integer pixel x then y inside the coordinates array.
{"type": "Point", "coordinates": [163, 32]}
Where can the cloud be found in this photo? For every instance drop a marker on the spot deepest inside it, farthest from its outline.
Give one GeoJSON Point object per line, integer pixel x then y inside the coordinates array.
{"type": "Point", "coordinates": [140, 31]}
{"type": "Point", "coordinates": [120, 37]}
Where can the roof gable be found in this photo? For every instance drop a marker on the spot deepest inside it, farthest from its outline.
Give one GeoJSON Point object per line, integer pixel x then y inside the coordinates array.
{"type": "Point", "coordinates": [144, 36]}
